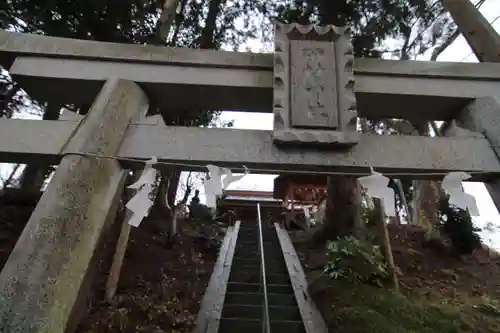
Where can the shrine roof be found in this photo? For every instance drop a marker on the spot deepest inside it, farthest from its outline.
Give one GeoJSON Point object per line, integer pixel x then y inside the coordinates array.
{"type": "Point", "coordinates": [282, 182]}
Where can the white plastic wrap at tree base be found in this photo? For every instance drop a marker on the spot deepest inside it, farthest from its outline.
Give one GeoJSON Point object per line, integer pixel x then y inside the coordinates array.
{"type": "Point", "coordinates": [140, 203]}
{"type": "Point", "coordinates": [452, 185]}
{"type": "Point", "coordinates": [376, 187]}
{"type": "Point", "coordinates": [219, 179]}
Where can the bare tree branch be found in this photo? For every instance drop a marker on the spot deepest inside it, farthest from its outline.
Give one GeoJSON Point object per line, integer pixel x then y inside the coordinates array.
{"type": "Point", "coordinates": [9, 179]}
{"type": "Point", "coordinates": [440, 49]}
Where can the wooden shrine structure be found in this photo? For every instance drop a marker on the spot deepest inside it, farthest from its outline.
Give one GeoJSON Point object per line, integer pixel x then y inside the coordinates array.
{"type": "Point", "coordinates": [298, 191]}
{"type": "Point", "coordinates": [242, 204]}
{"type": "Point", "coordinates": [312, 84]}
{"type": "Point", "coordinates": [303, 189]}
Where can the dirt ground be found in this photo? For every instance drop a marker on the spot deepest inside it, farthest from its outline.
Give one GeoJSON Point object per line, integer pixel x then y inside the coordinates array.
{"type": "Point", "coordinates": [458, 294]}
{"type": "Point", "coordinates": [429, 273]}
{"type": "Point", "coordinates": [434, 274]}
{"type": "Point", "coordinates": [160, 288]}
{"type": "Point", "coordinates": [12, 222]}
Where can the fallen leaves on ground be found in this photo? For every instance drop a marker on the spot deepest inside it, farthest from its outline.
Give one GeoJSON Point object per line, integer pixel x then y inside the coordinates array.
{"type": "Point", "coordinates": [160, 288]}
{"type": "Point", "coordinates": [460, 294]}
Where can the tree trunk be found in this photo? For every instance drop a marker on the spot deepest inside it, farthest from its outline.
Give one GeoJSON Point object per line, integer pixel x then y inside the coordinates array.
{"type": "Point", "coordinates": [166, 19]}
{"type": "Point", "coordinates": [415, 203]}
{"type": "Point", "coordinates": [402, 198]}
{"type": "Point", "coordinates": [179, 20]}
{"type": "Point", "coordinates": [207, 36]}
{"type": "Point", "coordinates": [178, 213]}
{"type": "Point", "coordinates": [163, 207]}
{"type": "Point", "coordinates": [173, 186]}
{"type": "Point", "coordinates": [34, 175]}
{"type": "Point", "coordinates": [427, 204]}
{"type": "Point", "coordinates": [160, 208]}
{"type": "Point", "coordinates": [343, 211]}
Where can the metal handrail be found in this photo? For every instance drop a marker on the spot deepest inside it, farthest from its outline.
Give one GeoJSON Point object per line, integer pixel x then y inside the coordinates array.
{"type": "Point", "coordinates": [265, 315]}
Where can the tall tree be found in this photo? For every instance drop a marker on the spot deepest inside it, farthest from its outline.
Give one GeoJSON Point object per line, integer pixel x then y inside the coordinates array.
{"type": "Point", "coordinates": [184, 23]}
{"type": "Point", "coordinates": [416, 26]}
{"type": "Point", "coordinates": [372, 22]}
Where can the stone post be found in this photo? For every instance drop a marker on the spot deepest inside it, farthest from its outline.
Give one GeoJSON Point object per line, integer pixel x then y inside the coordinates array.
{"type": "Point", "coordinates": [482, 116]}
{"type": "Point", "coordinates": [482, 38]}
{"type": "Point", "coordinates": [41, 280]}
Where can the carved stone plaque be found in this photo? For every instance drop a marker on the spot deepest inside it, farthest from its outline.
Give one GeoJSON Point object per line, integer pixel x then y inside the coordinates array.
{"type": "Point", "coordinates": [313, 87]}
{"type": "Point", "coordinates": [314, 101]}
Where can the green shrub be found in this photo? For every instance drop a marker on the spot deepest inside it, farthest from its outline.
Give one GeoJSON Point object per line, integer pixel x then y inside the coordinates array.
{"type": "Point", "coordinates": [457, 224]}
{"type": "Point", "coordinates": [201, 212]}
{"type": "Point", "coordinates": [355, 261]}
{"type": "Point", "coordinates": [489, 306]}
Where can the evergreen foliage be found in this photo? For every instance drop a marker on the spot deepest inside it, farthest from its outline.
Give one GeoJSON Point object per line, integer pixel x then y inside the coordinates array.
{"type": "Point", "coordinates": [457, 224]}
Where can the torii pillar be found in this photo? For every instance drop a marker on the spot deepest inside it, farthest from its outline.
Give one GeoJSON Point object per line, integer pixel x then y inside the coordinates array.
{"type": "Point", "coordinates": [482, 38]}
{"type": "Point", "coordinates": [42, 279]}
{"type": "Point", "coordinates": [481, 115]}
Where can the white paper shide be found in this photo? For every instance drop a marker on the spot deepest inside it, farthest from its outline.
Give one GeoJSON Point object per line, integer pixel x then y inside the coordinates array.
{"type": "Point", "coordinates": [376, 187]}
{"type": "Point", "coordinates": [218, 180]}
{"type": "Point", "coordinates": [452, 185]}
{"type": "Point", "coordinates": [140, 203]}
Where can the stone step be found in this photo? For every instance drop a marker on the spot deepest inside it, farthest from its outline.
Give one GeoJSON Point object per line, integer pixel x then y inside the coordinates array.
{"type": "Point", "coordinates": [274, 254]}
{"type": "Point", "coordinates": [255, 277]}
{"type": "Point", "coordinates": [270, 268]}
{"type": "Point", "coordinates": [268, 246]}
{"type": "Point", "coordinates": [252, 250]}
{"type": "Point", "coordinates": [245, 261]}
{"type": "Point", "coordinates": [255, 235]}
{"type": "Point", "coordinates": [258, 299]}
{"type": "Point", "coordinates": [255, 226]}
{"type": "Point", "coordinates": [248, 231]}
{"type": "Point", "coordinates": [288, 313]}
{"type": "Point", "coordinates": [232, 325]}
{"type": "Point", "coordinates": [257, 288]}
{"type": "Point", "coordinates": [255, 260]}
{"type": "Point", "coordinates": [250, 238]}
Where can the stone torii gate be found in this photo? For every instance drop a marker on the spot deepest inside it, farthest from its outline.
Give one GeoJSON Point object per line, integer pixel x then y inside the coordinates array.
{"type": "Point", "coordinates": [308, 83]}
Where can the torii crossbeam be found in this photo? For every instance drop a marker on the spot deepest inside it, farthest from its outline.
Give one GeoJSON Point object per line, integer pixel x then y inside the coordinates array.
{"type": "Point", "coordinates": [311, 85]}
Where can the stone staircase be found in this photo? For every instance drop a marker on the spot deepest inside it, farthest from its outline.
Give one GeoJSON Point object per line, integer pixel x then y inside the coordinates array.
{"type": "Point", "coordinates": [245, 299]}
